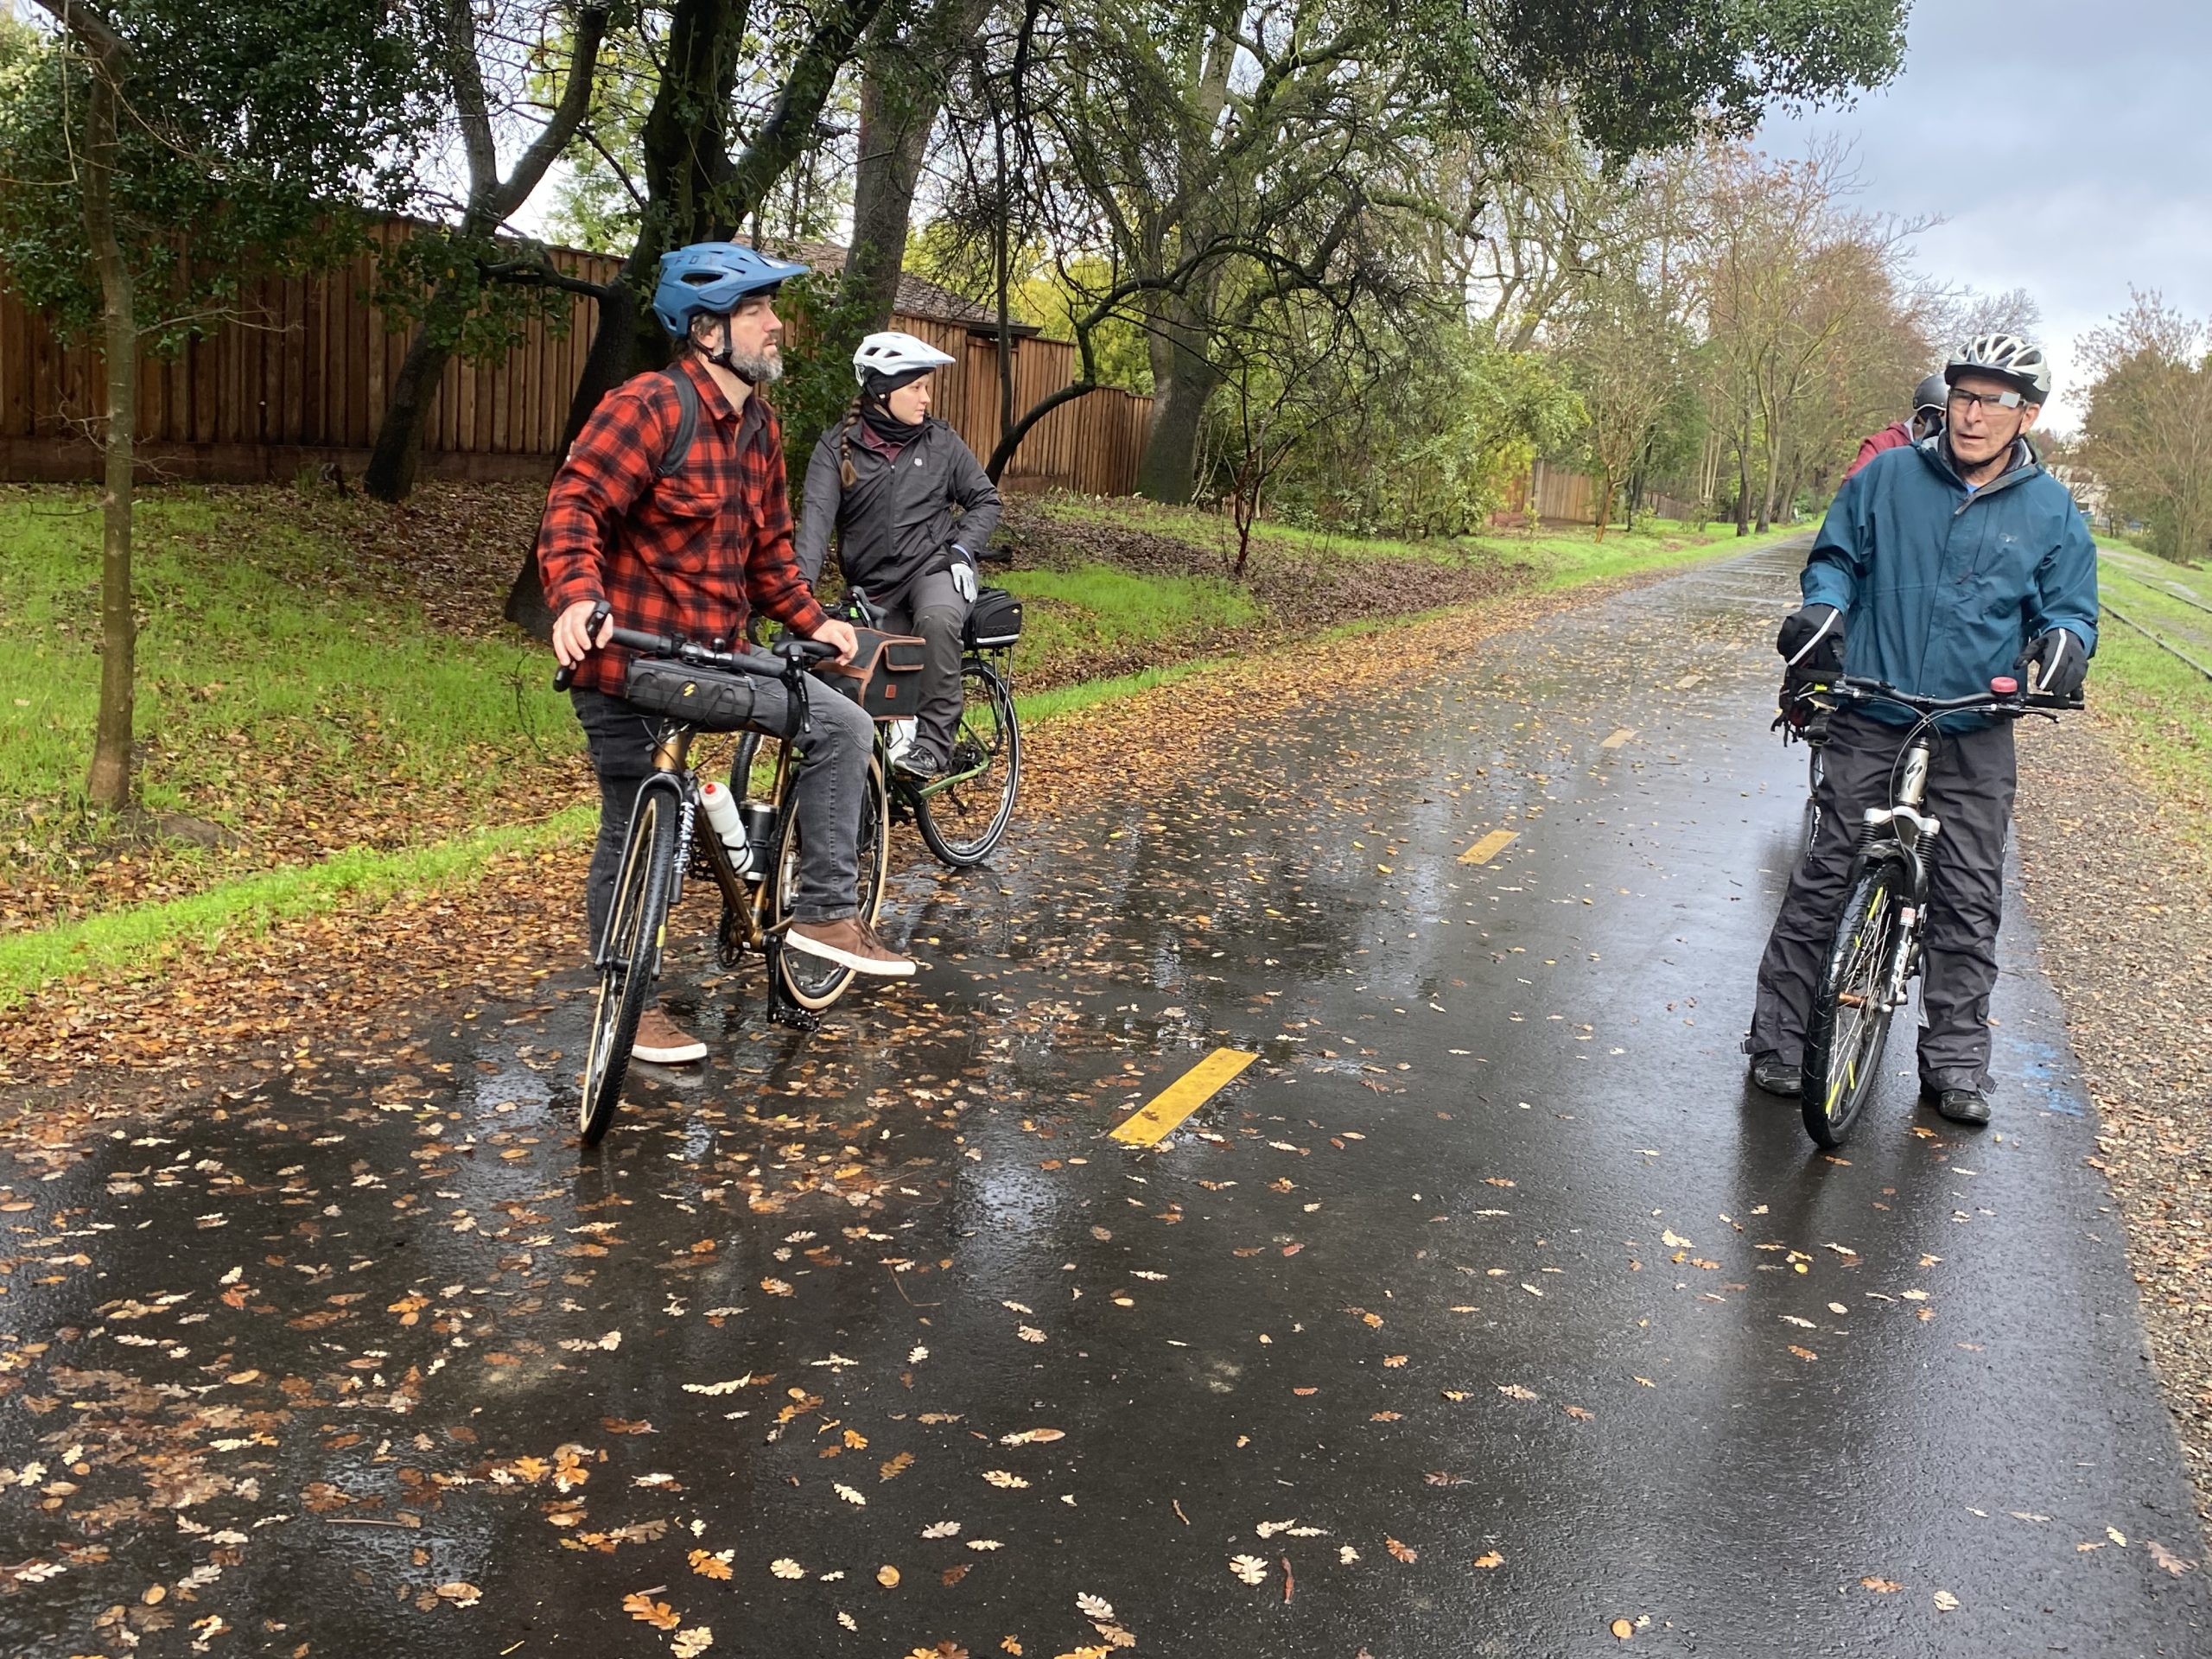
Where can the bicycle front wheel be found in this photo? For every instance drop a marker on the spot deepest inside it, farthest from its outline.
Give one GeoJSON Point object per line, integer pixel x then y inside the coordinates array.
{"type": "Point", "coordinates": [963, 819]}
{"type": "Point", "coordinates": [637, 924]}
{"type": "Point", "coordinates": [811, 982]}
{"type": "Point", "coordinates": [1850, 1019]}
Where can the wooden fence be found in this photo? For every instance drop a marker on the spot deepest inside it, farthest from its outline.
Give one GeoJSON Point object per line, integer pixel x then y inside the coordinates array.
{"type": "Point", "coordinates": [297, 377]}
{"type": "Point", "coordinates": [1569, 497]}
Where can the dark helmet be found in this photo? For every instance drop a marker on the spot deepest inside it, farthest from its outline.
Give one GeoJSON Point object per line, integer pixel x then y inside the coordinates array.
{"type": "Point", "coordinates": [709, 278]}
{"type": "Point", "coordinates": [1934, 392]}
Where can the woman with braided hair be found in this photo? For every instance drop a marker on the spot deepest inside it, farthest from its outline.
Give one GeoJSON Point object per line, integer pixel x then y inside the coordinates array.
{"type": "Point", "coordinates": [885, 481]}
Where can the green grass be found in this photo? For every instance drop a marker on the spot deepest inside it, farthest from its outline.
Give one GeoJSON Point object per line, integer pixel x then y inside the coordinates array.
{"type": "Point", "coordinates": [2163, 706]}
{"type": "Point", "coordinates": [1095, 606]}
{"type": "Point", "coordinates": [260, 676]}
{"type": "Point", "coordinates": [1563, 557]}
{"type": "Point", "coordinates": [146, 934]}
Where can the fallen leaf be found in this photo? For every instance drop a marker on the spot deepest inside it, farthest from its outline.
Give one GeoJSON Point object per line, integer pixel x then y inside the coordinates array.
{"type": "Point", "coordinates": [783, 1567]}
{"type": "Point", "coordinates": [1882, 1587]}
{"type": "Point", "coordinates": [711, 1564]}
{"type": "Point", "coordinates": [1805, 1354]}
{"type": "Point", "coordinates": [1251, 1569]}
{"type": "Point", "coordinates": [892, 1468]}
{"type": "Point", "coordinates": [942, 1529]}
{"type": "Point", "coordinates": [849, 1495]}
{"type": "Point", "coordinates": [1394, 1360]}
{"type": "Point", "coordinates": [1946, 1602]}
{"type": "Point", "coordinates": [887, 1576]}
{"type": "Point", "coordinates": [461, 1593]}
{"type": "Point", "coordinates": [1579, 1414]}
{"type": "Point", "coordinates": [1401, 1552]}
{"type": "Point", "coordinates": [1004, 1477]}
{"type": "Point", "coordinates": [1515, 1391]}
{"type": "Point", "coordinates": [1095, 1608]}
{"type": "Point", "coordinates": [2167, 1558]}
{"type": "Point", "coordinates": [1490, 1559]}
{"type": "Point", "coordinates": [1033, 1437]}
{"type": "Point", "coordinates": [1621, 1630]}
{"type": "Point", "coordinates": [689, 1644]}
{"type": "Point", "coordinates": [643, 1608]}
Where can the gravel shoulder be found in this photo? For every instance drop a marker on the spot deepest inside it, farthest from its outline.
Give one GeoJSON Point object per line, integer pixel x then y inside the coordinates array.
{"type": "Point", "coordinates": [2121, 885]}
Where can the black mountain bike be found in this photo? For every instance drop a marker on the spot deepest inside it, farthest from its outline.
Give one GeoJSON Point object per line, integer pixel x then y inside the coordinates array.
{"type": "Point", "coordinates": [667, 843]}
{"type": "Point", "coordinates": [1877, 947]}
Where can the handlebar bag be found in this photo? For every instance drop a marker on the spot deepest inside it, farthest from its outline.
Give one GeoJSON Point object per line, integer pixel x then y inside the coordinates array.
{"type": "Point", "coordinates": [993, 620]}
{"type": "Point", "coordinates": [702, 698]}
{"type": "Point", "coordinates": [884, 676]}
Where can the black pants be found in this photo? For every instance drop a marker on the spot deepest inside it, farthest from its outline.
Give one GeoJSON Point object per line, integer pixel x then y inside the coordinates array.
{"type": "Point", "coordinates": [1970, 788]}
{"type": "Point", "coordinates": [935, 610]}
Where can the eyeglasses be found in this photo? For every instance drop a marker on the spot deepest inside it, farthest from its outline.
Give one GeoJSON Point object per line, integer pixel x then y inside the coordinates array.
{"type": "Point", "coordinates": [1985, 399]}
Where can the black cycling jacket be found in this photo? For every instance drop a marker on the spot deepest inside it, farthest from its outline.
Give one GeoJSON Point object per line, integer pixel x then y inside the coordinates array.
{"type": "Point", "coordinates": [896, 524]}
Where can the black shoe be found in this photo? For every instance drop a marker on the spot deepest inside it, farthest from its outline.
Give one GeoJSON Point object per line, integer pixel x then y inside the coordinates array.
{"type": "Point", "coordinates": [1771, 1074]}
{"type": "Point", "coordinates": [920, 767]}
{"type": "Point", "coordinates": [1967, 1106]}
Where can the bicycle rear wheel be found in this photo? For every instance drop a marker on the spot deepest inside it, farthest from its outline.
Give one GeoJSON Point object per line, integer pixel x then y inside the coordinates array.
{"type": "Point", "coordinates": [1850, 1019]}
{"type": "Point", "coordinates": [637, 923]}
{"type": "Point", "coordinates": [811, 982]}
{"type": "Point", "coordinates": [963, 821]}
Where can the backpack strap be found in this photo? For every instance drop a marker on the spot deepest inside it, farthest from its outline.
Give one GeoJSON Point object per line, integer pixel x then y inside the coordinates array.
{"type": "Point", "coordinates": [687, 423]}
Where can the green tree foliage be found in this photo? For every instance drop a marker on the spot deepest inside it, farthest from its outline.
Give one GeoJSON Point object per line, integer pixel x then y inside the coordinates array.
{"type": "Point", "coordinates": [1427, 436]}
{"type": "Point", "coordinates": [2147, 437]}
{"type": "Point", "coordinates": [244, 137]}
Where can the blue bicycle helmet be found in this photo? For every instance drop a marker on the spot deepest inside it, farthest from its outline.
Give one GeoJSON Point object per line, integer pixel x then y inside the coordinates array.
{"type": "Point", "coordinates": [708, 278]}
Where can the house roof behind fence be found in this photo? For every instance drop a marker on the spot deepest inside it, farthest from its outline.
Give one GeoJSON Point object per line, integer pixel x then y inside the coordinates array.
{"type": "Point", "coordinates": [917, 296]}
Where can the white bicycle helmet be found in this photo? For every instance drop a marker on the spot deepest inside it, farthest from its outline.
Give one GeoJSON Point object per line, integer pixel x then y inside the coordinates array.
{"type": "Point", "coordinates": [894, 353]}
{"type": "Point", "coordinates": [2006, 356]}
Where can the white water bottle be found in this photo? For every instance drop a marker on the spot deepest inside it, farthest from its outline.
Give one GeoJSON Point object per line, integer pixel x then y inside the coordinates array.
{"type": "Point", "coordinates": [900, 738]}
{"type": "Point", "coordinates": [728, 828]}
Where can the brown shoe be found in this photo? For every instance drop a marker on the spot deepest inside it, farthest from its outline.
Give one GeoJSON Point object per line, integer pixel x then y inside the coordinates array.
{"type": "Point", "coordinates": [849, 942]}
{"type": "Point", "coordinates": [661, 1041]}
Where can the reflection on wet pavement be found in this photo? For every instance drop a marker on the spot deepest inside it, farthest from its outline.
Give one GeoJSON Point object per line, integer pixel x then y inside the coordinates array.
{"type": "Point", "coordinates": [1485, 1312]}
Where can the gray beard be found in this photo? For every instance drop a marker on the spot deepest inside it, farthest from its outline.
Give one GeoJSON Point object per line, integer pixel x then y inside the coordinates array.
{"type": "Point", "coordinates": [764, 368]}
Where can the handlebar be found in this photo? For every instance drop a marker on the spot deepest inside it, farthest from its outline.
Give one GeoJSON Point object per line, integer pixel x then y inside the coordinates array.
{"type": "Point", "coordinates": [788, 656]}
{"type": "Point", "coordinates": [2004, 698]}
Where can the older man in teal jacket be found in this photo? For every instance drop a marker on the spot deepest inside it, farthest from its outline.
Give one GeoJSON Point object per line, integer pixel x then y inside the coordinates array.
{"type": "Point", "coordinates": [1938, 567]}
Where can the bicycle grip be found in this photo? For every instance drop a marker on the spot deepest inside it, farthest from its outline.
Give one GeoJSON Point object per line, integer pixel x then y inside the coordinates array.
{"type": "Point", "coordinates": [565, 675]}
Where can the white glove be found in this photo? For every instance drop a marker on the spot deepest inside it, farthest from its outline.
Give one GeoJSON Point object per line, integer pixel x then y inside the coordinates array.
{"type": "Point", "coordinates": [964, 576]}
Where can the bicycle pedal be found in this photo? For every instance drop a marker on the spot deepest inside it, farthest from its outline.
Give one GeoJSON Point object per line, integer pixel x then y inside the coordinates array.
{"type": "Point", "coordinates": [798, 1019]}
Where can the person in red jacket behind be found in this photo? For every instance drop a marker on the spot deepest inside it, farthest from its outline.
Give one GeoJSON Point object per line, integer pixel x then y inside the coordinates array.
{"type": "Point", "coordinates": [1926, 418]}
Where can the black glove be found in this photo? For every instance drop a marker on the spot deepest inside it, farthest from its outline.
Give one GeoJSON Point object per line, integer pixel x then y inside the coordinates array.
{"type": "Point", "coordinates": [1811, 641]}
{"type": "Point", "coordinates": [2059, 661]}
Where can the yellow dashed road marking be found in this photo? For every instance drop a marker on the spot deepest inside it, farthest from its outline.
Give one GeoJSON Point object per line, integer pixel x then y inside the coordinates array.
{"type": "Point", "coordinates": [1489, 847]}
{"type": "Point", "coordinates": [1162, 1115]}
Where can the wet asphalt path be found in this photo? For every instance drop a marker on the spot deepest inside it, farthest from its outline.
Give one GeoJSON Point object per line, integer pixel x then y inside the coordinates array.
{"type": "Point", "coordinates": [1486, 1309]}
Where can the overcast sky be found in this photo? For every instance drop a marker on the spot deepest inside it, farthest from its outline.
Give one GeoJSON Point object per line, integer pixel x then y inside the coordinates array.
{"type": "Point", "coordinates": [2066, 144]}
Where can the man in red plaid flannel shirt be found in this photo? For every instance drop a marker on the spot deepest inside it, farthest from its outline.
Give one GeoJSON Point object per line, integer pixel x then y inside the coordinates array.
{"type": "Point", "coordinates": [695, 554]}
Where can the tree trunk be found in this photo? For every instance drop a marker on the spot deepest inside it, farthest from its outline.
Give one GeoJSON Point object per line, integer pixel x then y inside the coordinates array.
{"type": "Point", "coordinates": [396, 456]}
{"type": "Point", "coordinates": [109, 784]}
{"type": "Point", "coordinates": [902, 89]}
{"type": "Point", "coordinates": [1743, 489]}
{"type": "Point", "coordinates": [1604, 507]}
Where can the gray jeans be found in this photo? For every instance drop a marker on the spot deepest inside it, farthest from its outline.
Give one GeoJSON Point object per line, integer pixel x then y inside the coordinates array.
{"type": "Point", "coordinates": [1970, 788]}
{"type": "Point", "coordinates": [829, 790]}
{"type": "Point", "coordinates": [938, 615]}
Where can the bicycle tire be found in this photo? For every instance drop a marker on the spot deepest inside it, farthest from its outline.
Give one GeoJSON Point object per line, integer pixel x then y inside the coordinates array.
{"type": "Point", "coordinates": [810, 982]}
{"type": "Point", "coordinates": [637, 925]}
{"type": "Point", "coordinates": [1847, 1031]}
{"type": "Point", "coordinates": [961, 833]}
